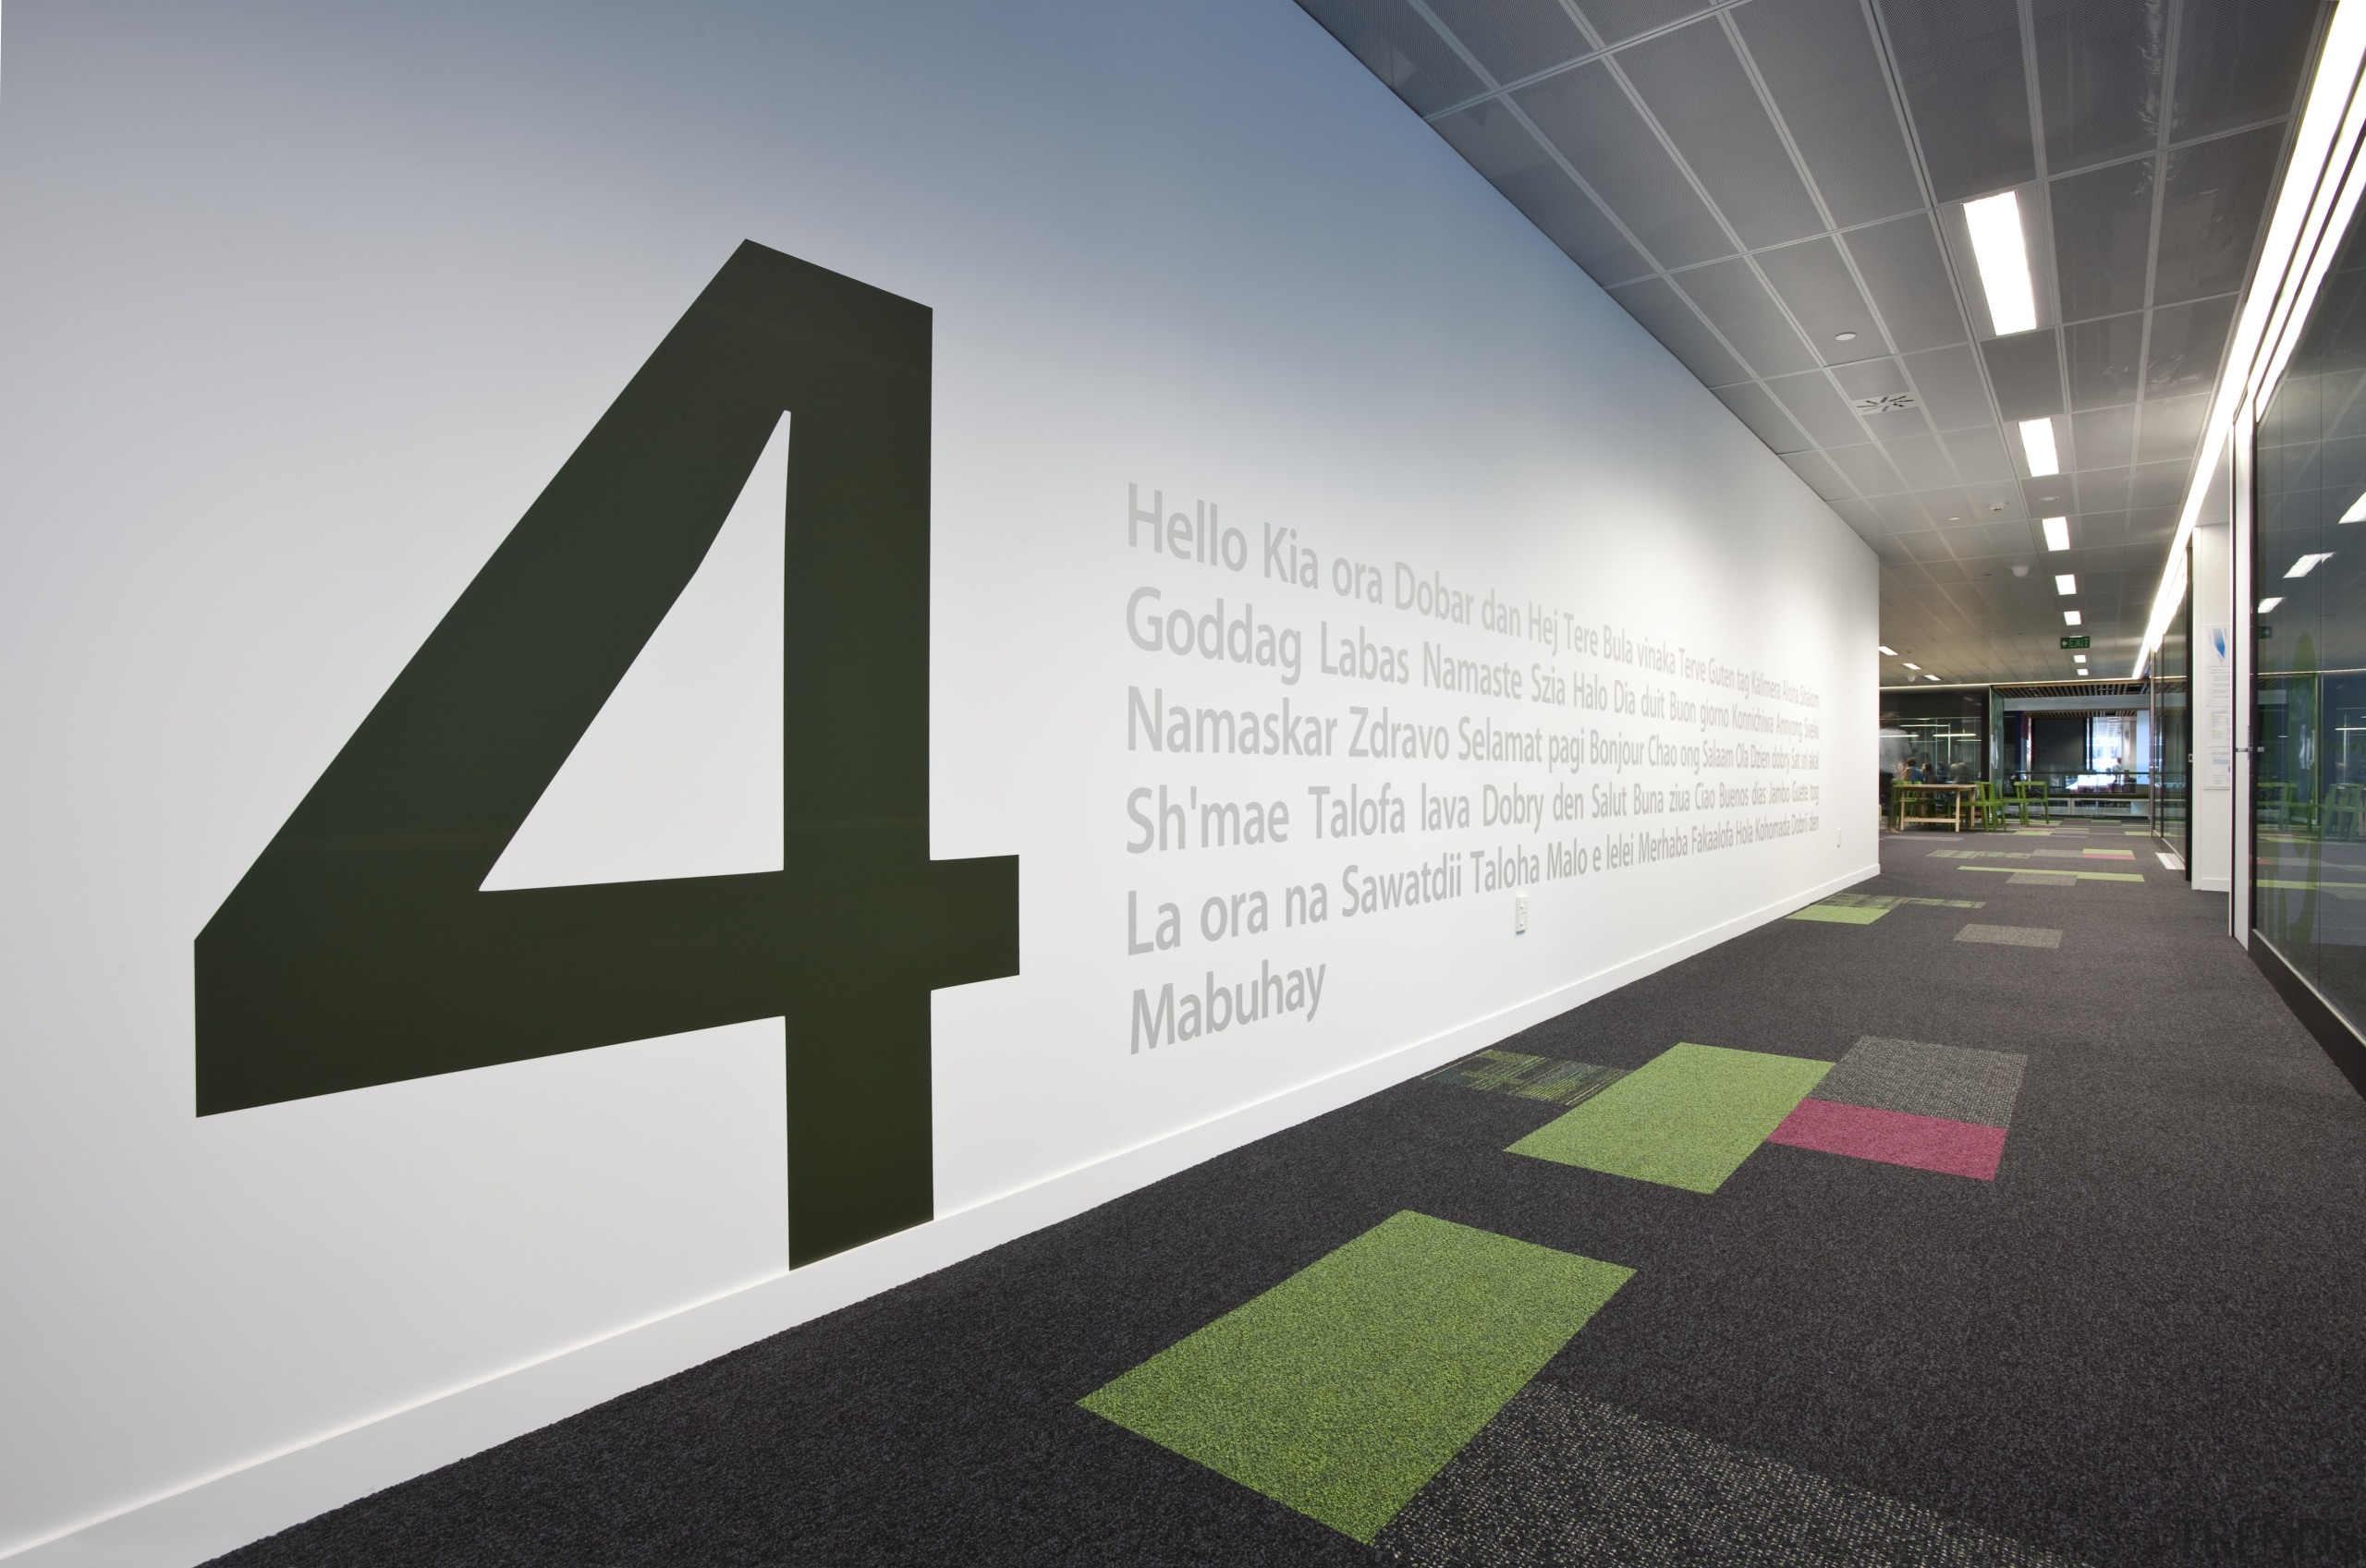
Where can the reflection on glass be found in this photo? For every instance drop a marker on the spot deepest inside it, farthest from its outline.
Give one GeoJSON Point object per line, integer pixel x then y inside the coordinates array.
{"type": "Point", "coordinates": [2309, 858]}
{"type": "Point", "coordinates": [2172, 731]}
{"type": "Point", "coordinates": [1932, 738]}
{"type": "Point", "coordinates": [2088, 759]}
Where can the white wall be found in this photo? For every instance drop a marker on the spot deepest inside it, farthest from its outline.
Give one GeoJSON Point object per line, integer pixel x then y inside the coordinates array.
{"type": "Point", "coordinates": [2214, 607]}
{"type": "Point", "coordinates": [300, 308]}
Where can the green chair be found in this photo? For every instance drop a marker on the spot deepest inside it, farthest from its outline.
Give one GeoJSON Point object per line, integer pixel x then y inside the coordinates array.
{"type": "Point", "coordinates": [2344, 811]}
{"type": "Point", "coordinates": [2028, 790]}
{"type": "Point", "coordinates": [1988, 804]}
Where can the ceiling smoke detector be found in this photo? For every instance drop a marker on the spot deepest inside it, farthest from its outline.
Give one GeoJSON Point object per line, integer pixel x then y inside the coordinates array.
{"type": "Point", "coordinates": [2020, 571]}
{"type": "Point", "coordinates": [1888, 403]}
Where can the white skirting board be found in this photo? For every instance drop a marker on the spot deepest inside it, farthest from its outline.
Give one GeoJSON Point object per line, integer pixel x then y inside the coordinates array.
{"type": "Point", "coordinates": [215, 1514]}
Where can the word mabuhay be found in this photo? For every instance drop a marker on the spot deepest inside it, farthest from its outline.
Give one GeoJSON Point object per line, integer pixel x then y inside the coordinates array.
{"type": "Point", "coordinates": [1269, 993]}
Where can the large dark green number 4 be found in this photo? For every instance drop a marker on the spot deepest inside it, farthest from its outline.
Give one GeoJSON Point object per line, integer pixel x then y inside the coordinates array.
{"type": "Point", "coordinates": [359, 950]}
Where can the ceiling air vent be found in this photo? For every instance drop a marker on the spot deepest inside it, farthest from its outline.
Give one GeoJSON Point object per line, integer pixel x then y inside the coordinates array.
{"type": "Point", "coordinates": [1887, 403]}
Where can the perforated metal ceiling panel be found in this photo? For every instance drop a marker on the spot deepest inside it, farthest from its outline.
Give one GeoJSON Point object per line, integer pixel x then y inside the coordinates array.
{"type": "Point", "coordinates": [1773, 189]}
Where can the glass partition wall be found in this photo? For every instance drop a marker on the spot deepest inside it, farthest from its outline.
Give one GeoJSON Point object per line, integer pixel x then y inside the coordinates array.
{"type": "Point", "coordinates": [1943, 731]}
{"type": "Point", "coordinates": [2172, 731]}
{"type": "Point", "coordinates": [2308, 722]}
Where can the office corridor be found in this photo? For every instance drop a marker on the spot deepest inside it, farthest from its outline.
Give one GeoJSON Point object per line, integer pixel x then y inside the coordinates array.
{"type": "Point", "coordinates": [1993, 1211]}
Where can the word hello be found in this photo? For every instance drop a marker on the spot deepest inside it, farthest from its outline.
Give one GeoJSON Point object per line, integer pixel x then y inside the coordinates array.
{"type": "Point", "coordinates": [1198, 536]}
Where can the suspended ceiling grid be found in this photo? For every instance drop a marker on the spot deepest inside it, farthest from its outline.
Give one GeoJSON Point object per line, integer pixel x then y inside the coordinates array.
{"type": "Point", "coordinates": [1772, 188]}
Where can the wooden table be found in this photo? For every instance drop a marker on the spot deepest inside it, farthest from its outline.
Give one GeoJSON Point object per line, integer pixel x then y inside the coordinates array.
{"type": "Point", "coordinates": [1962, 793]}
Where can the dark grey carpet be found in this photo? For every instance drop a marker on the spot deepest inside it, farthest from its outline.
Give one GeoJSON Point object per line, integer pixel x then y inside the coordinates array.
{"type": "Point", "coordinates": [2141, 1345]}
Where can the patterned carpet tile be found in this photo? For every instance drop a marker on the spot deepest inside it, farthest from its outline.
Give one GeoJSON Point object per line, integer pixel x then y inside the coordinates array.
{"type": "Point", "coordinates": [2064, 871]}
{"type": "Point", "coordinates": [1945, 1081]}
{"type": "Point", "coordinates": [1894, 1138]}
{"type": "Point", "coordinates": [1558, 1479]}
{"type": "Point", "coordinates": [1343, 1389]}
{"type": "Point", "coordinates": [2011, 936]}
{"type": "Point", "coordinates": [2037, 878]}
{"type": "Point", "coordinates": [1529, 1077]}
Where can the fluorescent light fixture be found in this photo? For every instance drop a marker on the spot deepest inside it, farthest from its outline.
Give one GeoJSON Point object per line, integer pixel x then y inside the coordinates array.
{"type": "Point", "coordinates": [2037, 445]}
{"type": "Point", "coordinates": [2078, 658]}
{"type": "Point", "coordinates": [2004, 257]}
{"type": "Point", "coordinates": [2356, 512]}
{"type": "Point", "coordinates": [1913, 666]}
{"type": "Point", "coordinates": [2066, 584]}
{"type": "Point", "coordinates": [1930, 677]}
{"type": "Point", "coordinates": [2057, 532]}
{"type": "Point", "coordinates": [2070, 617]}
{"type": "Point", "coordinates": [2308, 563]}
{"type": "Point", "coordinates": [1888, 650]}
{"type": "Point", "coordinates": [2267, 606]}
{"type": "Point", "coordinates": [2314, 202]}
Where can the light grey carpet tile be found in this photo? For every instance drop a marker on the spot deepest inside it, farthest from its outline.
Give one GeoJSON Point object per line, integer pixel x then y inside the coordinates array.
{"type": "Point", "coordinates": [2011, 936]}
{"type": "Point", "coordinates": [1927, 1081]}
{"type": "Point", "coordinates": [2043, 879]}
{"type": "Point", "coordinates": [1559, 1478]}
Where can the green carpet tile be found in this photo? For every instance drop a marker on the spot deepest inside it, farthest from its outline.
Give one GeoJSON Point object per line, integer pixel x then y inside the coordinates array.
{"type": "Point", "coordinates": [1864, 908]}
{"type": "Point", "coordinates": [1341, 1391]}
{"type": "Point", "coordinates": [1686, 1119]}
{"type": "Point", "coordinates": [1840, 913]}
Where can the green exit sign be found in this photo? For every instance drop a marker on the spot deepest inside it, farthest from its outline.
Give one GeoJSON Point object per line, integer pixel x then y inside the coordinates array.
{"type": "Point", "coordinates": [2078, 642]}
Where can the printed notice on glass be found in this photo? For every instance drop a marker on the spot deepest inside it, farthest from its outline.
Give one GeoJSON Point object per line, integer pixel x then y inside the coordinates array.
{"type": "Point", "coordinates": [2217, 711]}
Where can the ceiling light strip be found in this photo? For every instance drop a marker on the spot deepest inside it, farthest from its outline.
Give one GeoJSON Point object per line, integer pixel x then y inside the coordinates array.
{"type": "Point", "coordinates": [2037, 445]}
{"type": "Point", "coordinates": [2320, 183]}
{"type": "Point", "coordinates": [2001, 249]}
